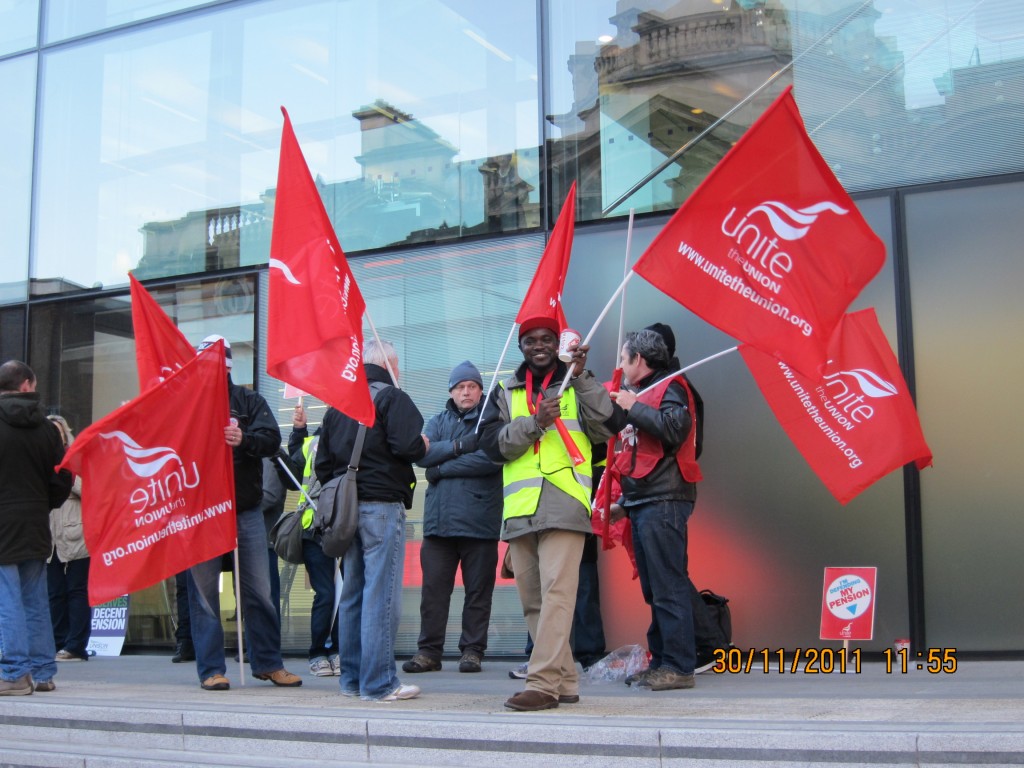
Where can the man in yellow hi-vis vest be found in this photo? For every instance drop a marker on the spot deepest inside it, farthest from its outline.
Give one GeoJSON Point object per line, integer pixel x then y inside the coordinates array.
{"type": "Point", "coordinates": [546, 498]}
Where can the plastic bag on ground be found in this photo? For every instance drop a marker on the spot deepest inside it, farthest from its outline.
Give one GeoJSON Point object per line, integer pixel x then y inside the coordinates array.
{"type": "Point", "coordinates": [618, 665]}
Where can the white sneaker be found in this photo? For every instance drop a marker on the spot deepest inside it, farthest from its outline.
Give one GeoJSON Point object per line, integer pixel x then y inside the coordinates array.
{"type": "Point", "coordinates": [519, 672]}
{"type": "Point", "coordinates": [321, 667]}
{"type": "Point", "coordinates": [401, 693]}
{"type": "Point", "coordinates": [335, 665]}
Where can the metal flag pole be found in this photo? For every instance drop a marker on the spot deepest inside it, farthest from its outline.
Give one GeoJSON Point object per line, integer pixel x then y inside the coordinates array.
{"type": "Point", "coordinates": [494, 378]}
{"type": "Point", "coordinates": [590, 334]}
{"type": "Point", "coordinates": [690, 367]}
{"type": "Point", "coordinates": [237, 578]}
{"type": "Point", "coordinates": [387, 362]}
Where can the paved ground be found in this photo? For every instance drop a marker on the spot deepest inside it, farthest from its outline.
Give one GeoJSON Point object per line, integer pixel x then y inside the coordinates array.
{"type": "Point", "coordinates": [974, 716]}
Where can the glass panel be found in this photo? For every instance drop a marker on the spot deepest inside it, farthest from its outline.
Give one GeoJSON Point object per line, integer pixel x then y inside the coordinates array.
{"type": "Point", "coordinates": [83, 353]}
{"type": "Point", "coordinates": [70, 18]}
{"type": "Point", "coordinates": [438, 306]}
{"type": "Point", "coordinates": [760, 503]}
{"type": "Point", "coordinates": [964, 247]}
{"type": "Point", "coordinates": [19, 21]}
{"type": "Point", "coordinates": [633, 82]}
{"type": "Point", "coordinates": [172, 164]}
{"type": "Point", "coordinates": [18, 91]}
{"type": "Point", "coordinates": [892, 93]}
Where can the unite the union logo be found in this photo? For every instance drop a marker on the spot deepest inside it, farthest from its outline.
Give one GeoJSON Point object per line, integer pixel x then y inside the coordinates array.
{"type": "Point", "coordinates": [761, 258]}
{"type": "Point", "coordinates": [167, 476]}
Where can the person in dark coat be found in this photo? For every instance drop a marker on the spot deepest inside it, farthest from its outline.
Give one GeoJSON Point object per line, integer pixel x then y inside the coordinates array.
{"type": "Point", "coordinates": [371, 594]}
{"type": "Point", "coordinates": [30, 449]}
{"type": "Point", "coordinates": [253, 434]}
{"type": "Point", "coordinates": [461, 526]}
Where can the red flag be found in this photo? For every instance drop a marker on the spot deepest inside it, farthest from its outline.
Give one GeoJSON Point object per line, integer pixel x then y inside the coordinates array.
{"type": "Point", "coordinates": [160, 348]}
{"type": "Point", "coordinates": [769, 248]}
{"type": "Point", "coordinates": [857, 423]}
{"type": "Point", "coordinates": [158, 489]}
{"type": "Point", "coordinates": [315, 309]}
{"type": "Point", "coordinates": [544, 296]}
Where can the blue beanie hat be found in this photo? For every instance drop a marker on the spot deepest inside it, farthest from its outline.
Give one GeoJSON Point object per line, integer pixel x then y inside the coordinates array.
{"type": "Point", "coordinates": [464, 371]}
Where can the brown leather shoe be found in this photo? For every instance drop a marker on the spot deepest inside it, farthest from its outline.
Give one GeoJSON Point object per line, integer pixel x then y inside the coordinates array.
{"type": "Point", "coordinates": [281, 677]}
{"type": "Point", "coordinates": [532, 701]}
{"type": "Point", "coordinates": [215, 683]}
{"type": "Point", "coordinates": [568, 698]}
{"type": "Point", "coordinates": [45, 686]}
{"type": "Point", "coordinates": [20, 687]}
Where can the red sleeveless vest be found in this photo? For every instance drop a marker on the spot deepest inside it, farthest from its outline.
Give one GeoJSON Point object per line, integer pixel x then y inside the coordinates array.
{"type": "Point", "coordinates": [649, 450]}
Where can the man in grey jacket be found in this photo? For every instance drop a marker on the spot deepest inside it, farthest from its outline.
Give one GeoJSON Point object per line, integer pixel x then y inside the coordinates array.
{"type": "Point", "coordinates": [461, 525]}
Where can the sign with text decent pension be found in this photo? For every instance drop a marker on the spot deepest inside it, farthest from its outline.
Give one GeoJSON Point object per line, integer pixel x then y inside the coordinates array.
{"type": "Point", "coordinates": [848, 604]}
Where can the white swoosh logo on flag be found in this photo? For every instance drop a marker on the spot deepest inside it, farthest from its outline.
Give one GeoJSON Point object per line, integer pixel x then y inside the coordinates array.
{"type": "Point", "coordinates": [278, 264]}
{"type": "Point", "coordinates": [871, 384]}
{"type": "Point", "coordinates": [145, 462]}
{"type": "Point", "coordinates": [787, 222]}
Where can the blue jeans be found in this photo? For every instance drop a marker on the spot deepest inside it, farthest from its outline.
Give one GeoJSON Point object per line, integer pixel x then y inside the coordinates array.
{"type": "Point", "coordinates": [262, 626]}
{"type": "Point", "coordinates": [26, 635]}
{"type": "Point", "coordinates": [323, 629]}
{"type": "Point", "coordinates": [371, 601]}
{"type": "Point", "coordinates": [659, 541]}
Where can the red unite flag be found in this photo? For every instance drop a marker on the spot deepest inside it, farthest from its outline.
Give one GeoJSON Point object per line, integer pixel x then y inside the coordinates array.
{"type": "Point", "coordinates": [855, 424]}
{"type": "Point", "coordinates": [315, 310]}
{"type": "Point", "coordinates": [544, 296]}
{"type": "Point", "coordinates": [158, 492]}
{"type": "Point", "coordinates": [160, 348]}
{"type": "Point", "coordinates": [769, 248]}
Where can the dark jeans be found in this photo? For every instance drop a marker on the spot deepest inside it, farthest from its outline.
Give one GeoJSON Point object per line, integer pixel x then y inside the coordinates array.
{"type": "Point", "coordinates": [68, 587]}
{"type": "Point", "coordinates": [440, 557]}
{"type": "Point", "coordinates": [183, 634]}
{"type": "Point", "coordinates": [659, 541]}
{"type": "Point", "coordinates": [323, 625]}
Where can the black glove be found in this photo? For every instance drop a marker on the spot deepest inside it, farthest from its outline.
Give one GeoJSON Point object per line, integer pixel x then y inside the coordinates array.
{"type": "Point", "coordinates": [466, 444]}
{"type": "Point", "coordinates": [433, 474]}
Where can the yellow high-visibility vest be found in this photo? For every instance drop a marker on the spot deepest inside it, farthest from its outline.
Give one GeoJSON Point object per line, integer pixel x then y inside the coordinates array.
{"type": "Point", "coordinates": [524, 476]}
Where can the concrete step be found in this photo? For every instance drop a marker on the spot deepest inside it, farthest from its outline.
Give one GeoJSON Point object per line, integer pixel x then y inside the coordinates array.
{"type": "Point", "coordinates": [93, 735]}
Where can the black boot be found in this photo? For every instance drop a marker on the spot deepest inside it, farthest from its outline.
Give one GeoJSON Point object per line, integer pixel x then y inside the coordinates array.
{"type": "Point", "coordinates": [184, 652]}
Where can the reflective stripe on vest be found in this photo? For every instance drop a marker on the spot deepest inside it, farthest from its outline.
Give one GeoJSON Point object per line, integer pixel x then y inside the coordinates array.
{"type": "Point", "coordinates": [309, 446]}
{"type": "Point", "coordinates": [524, 477]}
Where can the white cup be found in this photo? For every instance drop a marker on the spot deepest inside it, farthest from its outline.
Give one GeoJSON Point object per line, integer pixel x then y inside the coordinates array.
{"type": "Point", "coordinates": [567, 343]}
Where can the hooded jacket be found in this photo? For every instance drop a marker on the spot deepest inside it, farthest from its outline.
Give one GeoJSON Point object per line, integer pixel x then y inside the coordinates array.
{"type": "Point", "coordinates": [30, 448]}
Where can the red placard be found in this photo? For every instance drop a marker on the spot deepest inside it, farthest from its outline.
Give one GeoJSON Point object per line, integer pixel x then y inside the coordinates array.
{"type": "Point", "coordinates": [848, 604]}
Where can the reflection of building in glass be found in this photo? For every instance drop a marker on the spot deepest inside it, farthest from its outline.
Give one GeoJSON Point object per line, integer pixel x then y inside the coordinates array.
{"type": "Point", "coordinates": [506, 194]}
{"type": "Point", "coordinates": [412, 190]}
{"type": "Point", "coordinates": [668, 74]}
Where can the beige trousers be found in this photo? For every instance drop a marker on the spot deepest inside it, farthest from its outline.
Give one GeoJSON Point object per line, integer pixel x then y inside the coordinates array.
{"type": "Point", "coordinates": [547, 571]}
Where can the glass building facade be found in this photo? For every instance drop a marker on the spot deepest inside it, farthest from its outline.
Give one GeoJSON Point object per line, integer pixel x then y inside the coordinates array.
{"type": "Point", "coordinates": [142, 136]}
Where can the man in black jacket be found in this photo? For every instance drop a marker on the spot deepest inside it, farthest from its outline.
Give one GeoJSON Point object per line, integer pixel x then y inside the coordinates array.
{"type": "Point", "coordinates": [656, 461]}
{"type": "Point", "coordinates": [371, 598]}
{"type": "Point", "coordinates": [30, 448]}
{"type": "Point", "coordinates": [252, 434]}
{"type": "Point", "coordinates": [461, 525]}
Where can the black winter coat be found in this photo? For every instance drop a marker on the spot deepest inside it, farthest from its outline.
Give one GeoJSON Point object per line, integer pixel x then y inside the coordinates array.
{"type": "Point", "coordinates": [464, 497]}
{"type": "Point", "coordinates": [261, 437]}
{"type": "Point", "coordinates": [30, 447]}
{"type": "Point", "coordinates": [393, 443]}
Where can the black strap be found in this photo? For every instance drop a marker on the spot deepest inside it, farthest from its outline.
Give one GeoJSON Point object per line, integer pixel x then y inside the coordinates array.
{"type": "Point", "coordinates": [357, 449]}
